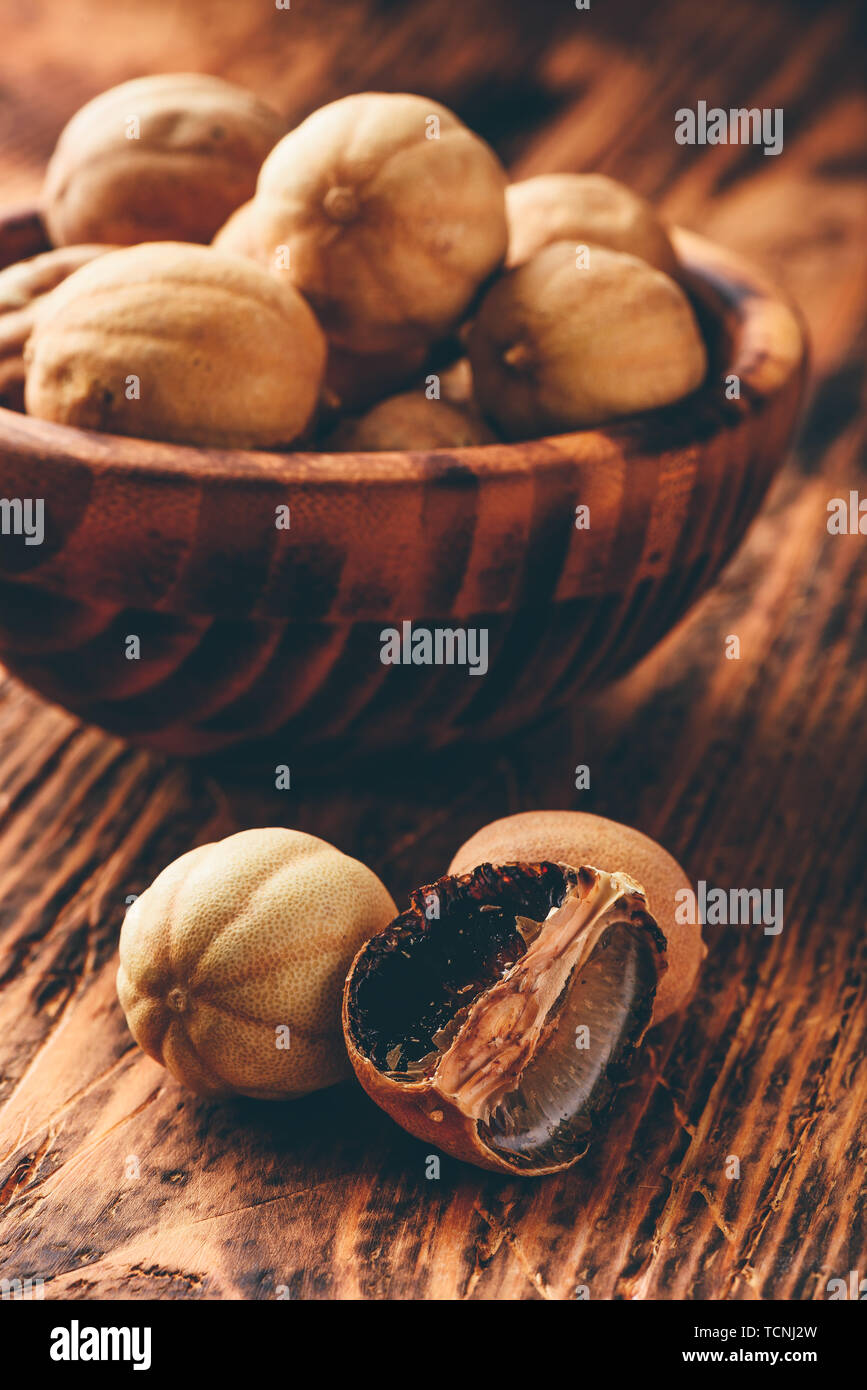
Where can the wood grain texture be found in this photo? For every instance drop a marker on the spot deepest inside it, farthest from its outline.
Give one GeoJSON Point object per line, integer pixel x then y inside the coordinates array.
{"type": "Point", "coordinates": [750, 771]}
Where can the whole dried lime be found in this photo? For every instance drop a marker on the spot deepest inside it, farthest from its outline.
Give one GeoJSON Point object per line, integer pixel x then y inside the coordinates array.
{"type": "Point", "coordinates": [410, 421]}
{"type": "Point", "coordinates": [177, 342]}
{"type": "Point", "coordinates": [164, 157]}
{"type": "Point", "coordinates": [565, 342]}
{"type": "Point", "coordinates": [231, 963]}
{"type": "Point", "coordinates": [584, 208]}
{"type": "Point", "coordinates": [389, 214]}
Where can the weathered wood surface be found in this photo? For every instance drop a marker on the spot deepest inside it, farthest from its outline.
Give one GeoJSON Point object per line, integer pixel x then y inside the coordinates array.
{"type": "Point", "coordinates": [750, 771]}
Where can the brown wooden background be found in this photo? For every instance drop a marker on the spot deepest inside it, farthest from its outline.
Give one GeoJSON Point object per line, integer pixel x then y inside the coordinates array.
{"type": "Point", "coordinates": [750, 771]}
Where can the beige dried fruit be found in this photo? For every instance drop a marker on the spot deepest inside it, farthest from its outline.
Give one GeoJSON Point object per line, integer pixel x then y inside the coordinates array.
{"type": "Point", "coordinates": [410, 421]}
{"type": "Point", "coordinates": [584, 208]}
{"type": "Point", "coordinates": [456, 383]}
{"type": "Point", "coordinates": [392, 213]}
{"type": "Point", "coordinates": [237, 235]}
{"type": "Point", "coordinates": [558, 346]}
{"type": "Point", "coordinates": [177, 342]}
{"type": "Point", "coordinates": [192, 158]}
{"type": "Point", "coordinates": [23, 287]}
{"type": "Point", "coordinates": [232, 962]}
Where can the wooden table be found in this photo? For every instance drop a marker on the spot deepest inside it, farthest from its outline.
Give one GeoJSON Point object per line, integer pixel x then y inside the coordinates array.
{"type": "Point", "coordinates": [116, 1183]}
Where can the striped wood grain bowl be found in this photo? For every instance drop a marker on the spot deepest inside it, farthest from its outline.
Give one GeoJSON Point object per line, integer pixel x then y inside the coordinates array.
{"type": "Point", "coordinates": [246, 629]}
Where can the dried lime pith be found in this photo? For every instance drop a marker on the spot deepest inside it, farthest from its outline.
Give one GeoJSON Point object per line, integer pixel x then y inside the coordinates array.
{"type": "Point", "coordinates": [499, 1012]}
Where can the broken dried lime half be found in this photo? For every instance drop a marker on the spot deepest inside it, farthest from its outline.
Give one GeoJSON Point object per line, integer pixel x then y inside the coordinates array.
{"type": "Point", "coordinates": [496, 1017]}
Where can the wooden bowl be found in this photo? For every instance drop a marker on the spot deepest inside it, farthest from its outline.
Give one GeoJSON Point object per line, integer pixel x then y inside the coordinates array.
{"type": "Point", "coordinates": [246, 629]}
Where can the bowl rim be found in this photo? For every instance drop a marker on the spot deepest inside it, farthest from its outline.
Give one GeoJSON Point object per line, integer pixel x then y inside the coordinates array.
{"type": "Point", "coordinates": [767, 347]}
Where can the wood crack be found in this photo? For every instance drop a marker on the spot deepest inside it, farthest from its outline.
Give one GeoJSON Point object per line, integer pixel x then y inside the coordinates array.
{"type": "Point", "coordinates": [503, 1233]}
